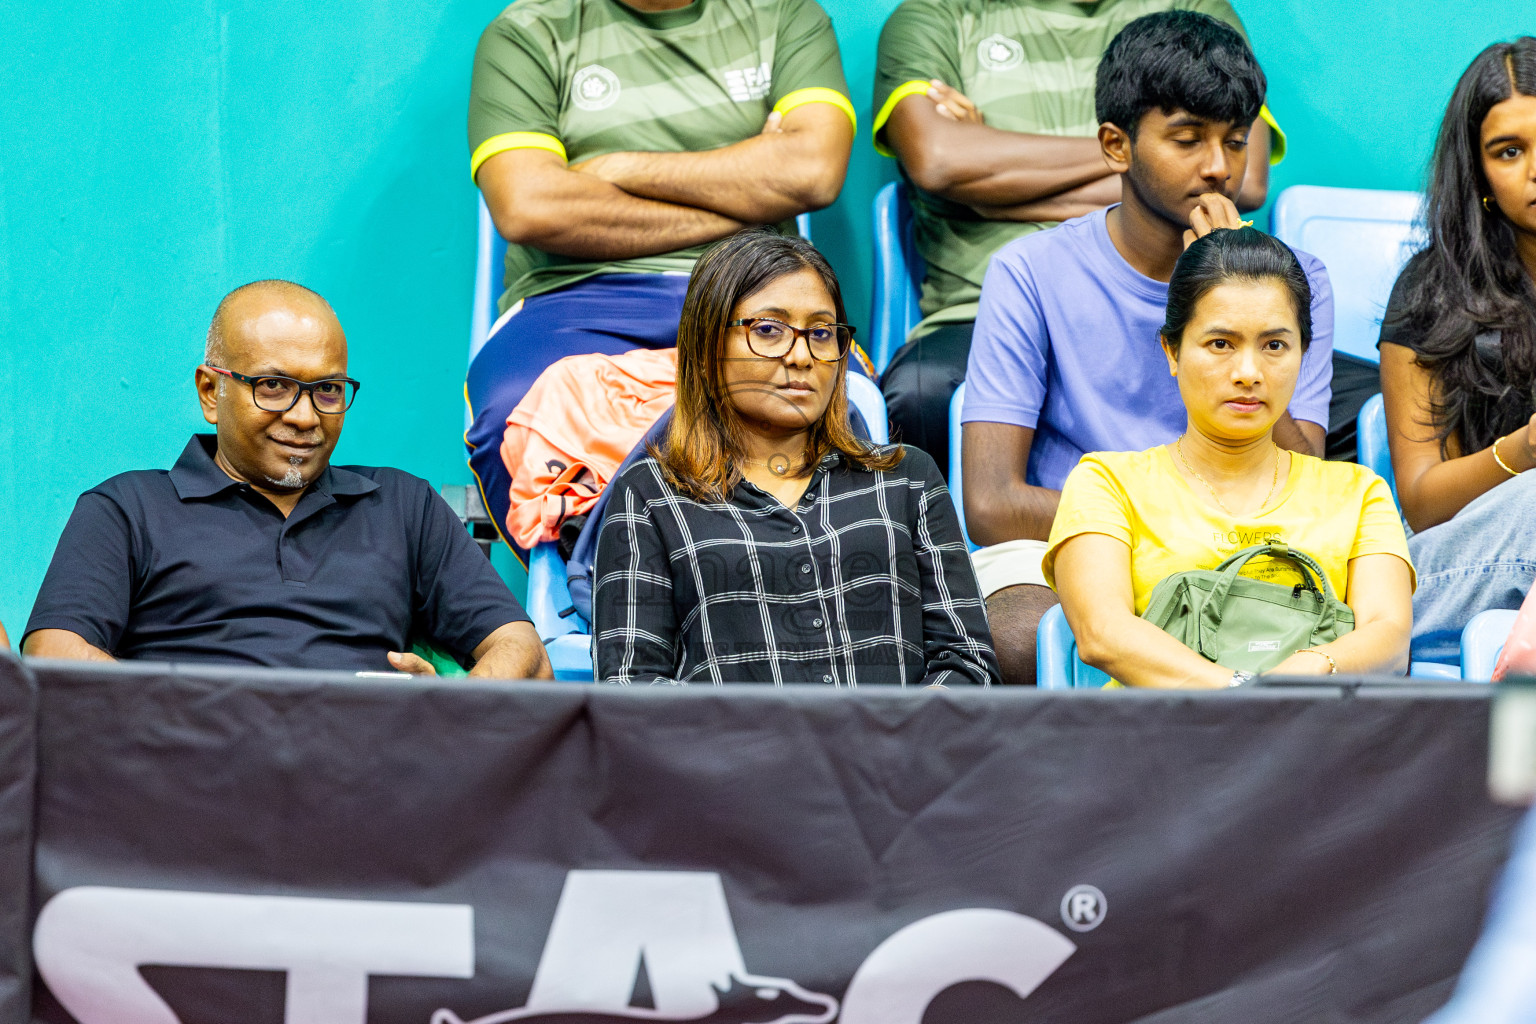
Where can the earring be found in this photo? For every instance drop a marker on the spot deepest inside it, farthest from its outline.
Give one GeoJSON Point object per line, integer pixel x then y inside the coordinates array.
{"type": "Point", "coordinates": [1488, 203]}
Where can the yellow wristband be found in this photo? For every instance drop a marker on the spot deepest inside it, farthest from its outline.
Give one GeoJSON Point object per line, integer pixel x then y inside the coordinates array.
{"type": "Point", "coordinates": [1333, 666]}
{"type": "Point", "coordinates": [1502, 464]}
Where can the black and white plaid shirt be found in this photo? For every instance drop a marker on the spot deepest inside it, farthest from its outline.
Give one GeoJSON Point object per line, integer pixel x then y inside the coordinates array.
{"type": "Point", "coordinates": [866, 580]}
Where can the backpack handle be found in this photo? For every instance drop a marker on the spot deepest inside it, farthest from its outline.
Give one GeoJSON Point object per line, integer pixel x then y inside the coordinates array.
{"type": "Point", "coordinates": [1231, 568]}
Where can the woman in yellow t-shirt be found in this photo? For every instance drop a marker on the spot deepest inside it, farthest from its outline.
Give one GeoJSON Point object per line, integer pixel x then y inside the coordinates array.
{"type": "Point", "coordinates": [1238, 322]}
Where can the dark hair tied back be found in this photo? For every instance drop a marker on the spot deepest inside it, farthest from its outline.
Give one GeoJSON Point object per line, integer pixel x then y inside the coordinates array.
{"type": "Point", "coordinates": [1243, 254]}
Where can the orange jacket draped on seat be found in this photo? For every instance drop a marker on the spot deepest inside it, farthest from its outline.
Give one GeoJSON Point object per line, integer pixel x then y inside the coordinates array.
{"type": "Point", "coordinates": [568, 435]}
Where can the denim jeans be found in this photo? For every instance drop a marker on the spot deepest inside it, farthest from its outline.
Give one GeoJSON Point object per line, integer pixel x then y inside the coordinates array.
{"type": "Point", "coordinates": [1483, 558]}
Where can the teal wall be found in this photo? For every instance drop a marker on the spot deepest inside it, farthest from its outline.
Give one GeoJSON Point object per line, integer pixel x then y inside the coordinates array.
{"type": "Point", "coordinates": [157, 153]}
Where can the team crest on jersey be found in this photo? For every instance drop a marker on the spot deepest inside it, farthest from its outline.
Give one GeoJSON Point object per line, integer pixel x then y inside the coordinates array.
{"type": "Point", "coordinates": [595, 88]}
{"type": "Point", "coordinates": [749, 83]}
{"type": "Point", "coordinates": [999, 53]}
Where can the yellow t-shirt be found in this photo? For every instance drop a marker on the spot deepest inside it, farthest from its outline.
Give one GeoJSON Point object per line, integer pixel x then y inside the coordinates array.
{"type": "Point", "coordinates": [1333, 511]}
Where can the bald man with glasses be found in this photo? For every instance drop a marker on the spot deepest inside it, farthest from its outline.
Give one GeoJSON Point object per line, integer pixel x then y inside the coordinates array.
{"type": "Point", "coordinates": [253, 549]}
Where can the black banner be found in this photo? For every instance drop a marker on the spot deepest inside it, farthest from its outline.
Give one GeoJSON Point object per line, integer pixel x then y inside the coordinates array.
{"type": "Point", "coordinates": [18, 778]}
{"type": "Point", "coordinates": [270, 849]}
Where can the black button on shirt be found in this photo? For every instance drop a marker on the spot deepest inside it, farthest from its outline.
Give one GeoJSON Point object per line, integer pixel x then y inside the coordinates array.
{"type": "Point", "coordinates": [189, 565]}
{"type": "Point", "coordinates": [867, 574]}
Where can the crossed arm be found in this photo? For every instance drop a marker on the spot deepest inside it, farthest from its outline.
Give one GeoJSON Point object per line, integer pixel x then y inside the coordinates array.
{"type": "Point", "coordinates": [1093, 579]}
{"type": "Point", "coordinates": [947, 149]}
{"type": "Point", "coordinates": [624, 205]}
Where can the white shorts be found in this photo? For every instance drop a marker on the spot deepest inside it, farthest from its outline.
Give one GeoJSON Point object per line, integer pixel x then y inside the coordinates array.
{"type": "Point", "coordinates": [1009, 564]}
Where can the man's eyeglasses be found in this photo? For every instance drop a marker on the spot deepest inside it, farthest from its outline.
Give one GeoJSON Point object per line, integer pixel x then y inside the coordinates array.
{"type": "Point", "coordinates": [331, 396]}
{"type": "Point", "coordinates": [773, 340]}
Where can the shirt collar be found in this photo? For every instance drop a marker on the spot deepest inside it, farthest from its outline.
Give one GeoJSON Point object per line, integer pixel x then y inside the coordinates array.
{"type": "Point", "coordinates": [196, 475]}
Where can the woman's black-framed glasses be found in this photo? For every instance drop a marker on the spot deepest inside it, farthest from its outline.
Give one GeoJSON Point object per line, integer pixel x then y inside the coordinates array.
{"type": "Point", "coordinates": [773, 339]}
{"type": "Point", "coordinates": [271, 393]}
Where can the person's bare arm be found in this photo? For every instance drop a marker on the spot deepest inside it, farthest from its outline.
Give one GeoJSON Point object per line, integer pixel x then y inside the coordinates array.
{"type": "Point", "coordinates": [797, 163]}
{"type": "Point", "coordinates": [999, 505]}
{"type": "Point", "coordinates": [5, 641]}
{"type": "Point", "coordinates": [1302, 436]}
{"type": "Point", "coordinates": [1430, 488]}
{"type": "Point", "coordinates": [1093, 580]}
{"type": "Point", "coordinates": [536, 200]}
{"type": "Point", "coordinates": [1074, 202]}
{"type": "Point", "coordinates": [61, 643]}
{"type": "Point", "coordinates": [1255, 187]}
{"type": "Point", "coordinates": [1380, 593]}
{"type": "Point", "coordinates": [957, 156]}
{"type": "Point", "coordinates": [512, 651]}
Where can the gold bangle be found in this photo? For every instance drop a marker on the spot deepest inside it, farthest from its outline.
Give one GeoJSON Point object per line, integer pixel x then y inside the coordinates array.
{"type": "Point", "coordinates": [1502, 464]}
{"type": "Point", "coordinates": [1333, 666]}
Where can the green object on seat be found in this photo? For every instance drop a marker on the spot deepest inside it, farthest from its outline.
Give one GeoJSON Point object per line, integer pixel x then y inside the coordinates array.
{"type": "Point", "coordinates": [1245, 623]}
{"type": "Point", "coordinates": [444, 663]}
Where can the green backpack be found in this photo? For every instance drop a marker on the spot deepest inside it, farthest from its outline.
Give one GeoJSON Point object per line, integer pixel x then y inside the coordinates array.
{"type": "Point", "coordinates": [1247, 624]}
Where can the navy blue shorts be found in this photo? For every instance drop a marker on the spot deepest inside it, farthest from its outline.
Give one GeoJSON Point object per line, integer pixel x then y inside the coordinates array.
{"type": "Point", "coordinates": [610, 313]}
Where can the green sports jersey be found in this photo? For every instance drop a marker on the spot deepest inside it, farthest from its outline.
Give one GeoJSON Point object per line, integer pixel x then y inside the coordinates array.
{"type": "Point", "coordinates": [586, 77]}
{"type": "Point", "coordinates": [1029, 66]}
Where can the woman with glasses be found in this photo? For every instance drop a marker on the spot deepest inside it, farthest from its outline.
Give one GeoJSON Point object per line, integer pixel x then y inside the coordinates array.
{"type": "Point", "coordinates": [761, 541]}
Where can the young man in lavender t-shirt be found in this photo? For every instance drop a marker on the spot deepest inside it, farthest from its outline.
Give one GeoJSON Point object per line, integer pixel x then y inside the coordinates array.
{"type": "Point", "coordinates": [1065, 358]}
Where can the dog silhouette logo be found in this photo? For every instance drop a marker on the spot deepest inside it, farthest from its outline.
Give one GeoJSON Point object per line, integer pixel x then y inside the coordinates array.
{"type": "Point", "coordinates": [748, 999]}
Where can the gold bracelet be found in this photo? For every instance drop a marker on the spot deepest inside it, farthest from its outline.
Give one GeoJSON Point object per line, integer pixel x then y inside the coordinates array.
{"type": "Point", "coordinates": [1333, 666]}
{"type": "Point", "coordinates": [1502, 464]}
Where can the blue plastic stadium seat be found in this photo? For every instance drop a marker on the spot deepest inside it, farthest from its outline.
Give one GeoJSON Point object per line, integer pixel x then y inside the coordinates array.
{"type": "Point", "coordinates": [898, 275]}
{"type": "Point", "coordinates": [956, 403]}
{"type": "Point", "coordinates": [490, 267]}
{"type": "Point", "coordinates": [1057, 666]}
{"type": "Point", "coordinates": [864, 395]}
{"type": "Point", "coordinates": [571, 657]}
{"type": "Point", "coordinates": [1371, 434]}
{"type": "Point", "coordinates": [566, 634]}
{"type": "Point", "coordinates": [1482, 641]}
{"type": "Point", "coordinates": [1363, 237]}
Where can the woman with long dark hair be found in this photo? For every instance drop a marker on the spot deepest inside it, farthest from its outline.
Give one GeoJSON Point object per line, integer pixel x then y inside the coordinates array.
{"type": "Point", "coordinates": [1238, 321]}
{"type": "Point", "coordinates": [761, 541]}
{"type": "Point", "coordinates": [1458, 357]}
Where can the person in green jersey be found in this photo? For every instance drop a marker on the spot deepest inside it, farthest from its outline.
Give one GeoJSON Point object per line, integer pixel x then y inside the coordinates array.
{"type": "Point", "coordinates": [613, 141]}
{"type": "Point", "coordinates": [988, 105]}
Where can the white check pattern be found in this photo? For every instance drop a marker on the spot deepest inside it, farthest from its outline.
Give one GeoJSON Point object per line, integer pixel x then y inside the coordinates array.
{"type": "Point", "coordinates": [867, 580]}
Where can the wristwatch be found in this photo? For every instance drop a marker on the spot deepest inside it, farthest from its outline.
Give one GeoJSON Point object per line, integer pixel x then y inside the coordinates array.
{"type": "Point", "coordinates": [1241, 678]}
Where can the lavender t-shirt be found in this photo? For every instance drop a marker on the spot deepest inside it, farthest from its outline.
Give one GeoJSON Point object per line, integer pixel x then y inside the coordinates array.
{"type": "Point", "coordinates": [1066, 342]}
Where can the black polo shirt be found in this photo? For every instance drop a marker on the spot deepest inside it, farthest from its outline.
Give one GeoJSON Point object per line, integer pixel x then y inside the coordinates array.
{"type": "Point", "coordinates": [189, 565]}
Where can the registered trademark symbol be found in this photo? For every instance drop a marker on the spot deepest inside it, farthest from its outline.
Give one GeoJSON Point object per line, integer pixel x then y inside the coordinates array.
{"type": "Point", "coordinates": [1082, 908]}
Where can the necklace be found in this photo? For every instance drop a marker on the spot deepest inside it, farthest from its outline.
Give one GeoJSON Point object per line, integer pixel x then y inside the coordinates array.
{"type": "Point", "coordinates": [778, 465]}
{"type": "Point", "coordinates": [1178, 447]}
